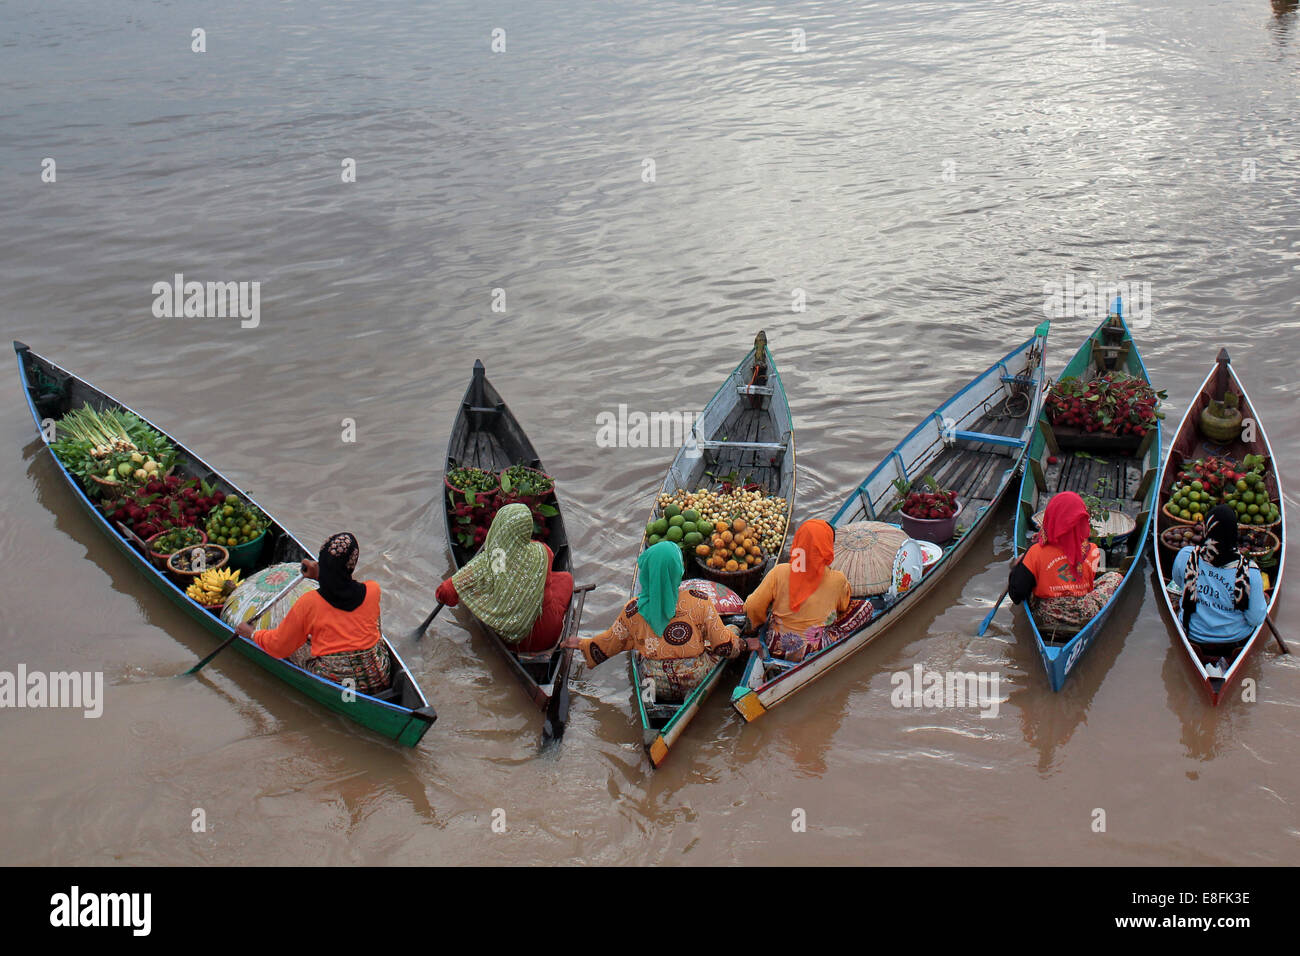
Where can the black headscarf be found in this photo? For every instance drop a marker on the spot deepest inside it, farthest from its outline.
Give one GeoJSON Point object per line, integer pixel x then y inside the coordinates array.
{"type": "Point", "coordinates": [1220, 549]}
{"type": "Point", "coordinates": [338, 559]}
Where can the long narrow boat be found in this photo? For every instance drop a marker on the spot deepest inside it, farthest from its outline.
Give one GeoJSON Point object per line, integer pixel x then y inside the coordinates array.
{"type": "Point", "coordinates": [401, 713]}
{"type": "Point", "coordinates": [487, 435]}
{"type": "Point", "coordinates": [1218, 665]}
{"type": "Point", "coordinates": [972, 445]}
{"type": "Point", "coordinates": [744, 429]}
{"type": "Point", "coordinates": [1106, 467]}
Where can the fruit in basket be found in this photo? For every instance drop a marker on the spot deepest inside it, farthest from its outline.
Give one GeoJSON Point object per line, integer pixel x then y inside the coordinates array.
{"type": "Point", "coordinates": [213, 587]}
{"type": "Point", "coordinates": [1249, 497]}
{"type": "Point", "coordinates": [235, 522]}
{"type": "Point", "coordinates": [762, 514]}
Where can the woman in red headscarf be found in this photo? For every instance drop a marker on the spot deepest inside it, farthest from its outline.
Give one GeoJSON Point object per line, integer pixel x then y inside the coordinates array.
{"type": "Point", "coordinates": [802, 597]}
{"type": "Point", "coordinates": [1058, 573]}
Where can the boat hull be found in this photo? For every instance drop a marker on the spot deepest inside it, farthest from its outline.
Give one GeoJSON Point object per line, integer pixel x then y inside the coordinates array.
{"type": "Point", "coordinates": [406, 725]}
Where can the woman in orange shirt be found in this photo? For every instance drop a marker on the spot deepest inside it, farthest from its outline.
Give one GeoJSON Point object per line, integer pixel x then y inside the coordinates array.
{"type": "Point", "coordinates": [1058, 574]}
{"type": "Point", "coordinates": [334, 631]}
{"type": "Point", "coordinates": [802, 598]}
{"type": "Point", "coordinates": [678, 634]}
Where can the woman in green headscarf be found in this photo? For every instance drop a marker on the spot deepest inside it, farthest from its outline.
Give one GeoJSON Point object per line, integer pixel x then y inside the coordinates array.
{"type": "Point", "coordinates": [509, 584]}
{"type": "Point", "coordinates": [678, 634]}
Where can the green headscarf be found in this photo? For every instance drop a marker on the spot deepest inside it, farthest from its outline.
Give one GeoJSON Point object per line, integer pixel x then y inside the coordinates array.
{"type": "Point", "coordinates": [502, 585]}
{"type": "Point", "coordinates": [659, 575]}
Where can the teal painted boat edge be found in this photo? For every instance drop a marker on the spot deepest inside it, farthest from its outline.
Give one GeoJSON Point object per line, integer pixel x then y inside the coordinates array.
{"type": "Point", "coordinates": [385, 717]}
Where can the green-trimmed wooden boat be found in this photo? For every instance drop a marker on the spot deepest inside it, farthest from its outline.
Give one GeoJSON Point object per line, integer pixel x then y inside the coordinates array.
{"type": "Point", "coordinates": [745, 428]}
{"type": "Point", "coordinates": [401, 713]}
{"type": "Point", "coordinates": [1108, 467]}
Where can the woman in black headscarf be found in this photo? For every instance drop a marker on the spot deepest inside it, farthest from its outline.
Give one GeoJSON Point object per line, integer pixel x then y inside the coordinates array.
{"type": "Point", "coordinates": [333, 631]}
{"type": "Point", "coordinates": [1223, 594]}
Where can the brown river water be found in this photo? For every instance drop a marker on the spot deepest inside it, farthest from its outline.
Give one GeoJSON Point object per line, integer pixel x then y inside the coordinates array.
{"type": "Point", "coordinates": [920, 170]}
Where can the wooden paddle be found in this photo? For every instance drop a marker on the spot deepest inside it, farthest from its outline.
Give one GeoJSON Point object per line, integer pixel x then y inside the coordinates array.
{"type": "Point", "coordinates": [1268, 619]}
{"type": "Point", "coordinates": [988, 619]}
{"type": "Point", "coordinates": [253, 617]}
{"type": "Point", "coordinates": [558, 705]}
{"type": "Point", "coordinates": [419, 631]}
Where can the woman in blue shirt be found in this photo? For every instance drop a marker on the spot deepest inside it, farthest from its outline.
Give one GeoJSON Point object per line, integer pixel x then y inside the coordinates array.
{"type": "Point", "coordinates": [1223, 594]}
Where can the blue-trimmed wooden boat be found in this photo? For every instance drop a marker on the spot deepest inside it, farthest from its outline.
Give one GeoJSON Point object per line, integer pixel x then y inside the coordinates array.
{"type": "Point", "coordinates": [745, 427]}
{"type": "Point", "coordinates": [971, 444]}
{"type": "Point", "coordinates": [401, 713]}
{"type": "Point", "coordinates": [1218, 665]}
{"type": "Point", "coordinates": [1131, 477]}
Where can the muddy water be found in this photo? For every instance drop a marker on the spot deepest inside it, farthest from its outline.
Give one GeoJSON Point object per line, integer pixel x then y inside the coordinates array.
{"type": "Point", "coordinates": [920, 171]}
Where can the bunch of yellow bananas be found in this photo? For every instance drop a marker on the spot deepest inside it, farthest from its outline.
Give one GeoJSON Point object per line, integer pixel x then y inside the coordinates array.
{"type": "Point", "coordinates": [213, 587]}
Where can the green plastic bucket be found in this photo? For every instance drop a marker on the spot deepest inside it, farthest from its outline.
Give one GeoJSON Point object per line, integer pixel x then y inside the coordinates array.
{"type": "Point", "coordinates": [245, 556]}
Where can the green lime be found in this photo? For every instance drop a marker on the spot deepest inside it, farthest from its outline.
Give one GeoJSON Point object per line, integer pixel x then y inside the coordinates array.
{"type": "Point", "coordinates": [676, 521]}
{"type": "Point", "coordinates": [1252, 509]}
{"type": "Point", "coordinates": [704, 527]}
{"type": "Point", "coordinates": [653, 540]}
{"type": "Point", "coordinates": [1241, 484]}
{"type": "Point", "coordinates": [675, 533]}
{"type": "Point", "coordinates": [671, 511]}
{"type": "Point", "coordinates": [692, 538]}
{"type": "Point", "coordinates": [691, 515]}
{"type": "Point", "coordinates": [1197, 486]}
{"type": "Point", "coordinates": [659, 527]}
{"type": "Point", "coordinates": [1185, 514]}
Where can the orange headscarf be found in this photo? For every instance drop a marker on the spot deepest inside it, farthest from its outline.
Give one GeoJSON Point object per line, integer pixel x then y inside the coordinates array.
{"type": "Point", "coordinates": [810, 555]}
{"type": "Point", "coordinates": [1066, 525]}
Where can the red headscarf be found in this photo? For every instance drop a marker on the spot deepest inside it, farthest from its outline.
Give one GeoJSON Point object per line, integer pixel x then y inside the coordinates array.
{"type": "Point", "coordinates": [810, 556]}
{"type": "Point", "coordinates": [1066, 525]}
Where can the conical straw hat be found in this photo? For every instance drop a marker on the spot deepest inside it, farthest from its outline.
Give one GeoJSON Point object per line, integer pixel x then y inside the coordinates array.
{"type": "Point", "coordinates": [260, 588]}
{"type": "Point", "coordinates": [864, 552]}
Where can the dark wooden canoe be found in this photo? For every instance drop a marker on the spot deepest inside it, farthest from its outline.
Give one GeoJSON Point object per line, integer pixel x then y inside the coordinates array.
{"type": "Point", "coordinates": [1122, 475]}
{"type": "Point", "coordinates": [486, 435]}
{"type": "Point", "coordinates": [1218, 665]}
{"type": "Point", "coordinates": [401, 713]}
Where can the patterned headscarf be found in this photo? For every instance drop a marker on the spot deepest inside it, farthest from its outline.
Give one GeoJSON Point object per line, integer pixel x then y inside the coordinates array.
{"type": "Point", "coordinates": [811, 554]}
{"type": "Point", "coordinates": [1219, 548]}
{"type": "Point", "coordinates": [503, 584]}
{"type": "Point", "coordinates": [338, 559]}
{"type": "Point", "coordinates": [1067, 526]}
{"type": "Point", "coordinates": [659, 573]}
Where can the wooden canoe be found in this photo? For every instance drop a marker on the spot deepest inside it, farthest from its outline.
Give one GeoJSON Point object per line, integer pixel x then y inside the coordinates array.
{"type": "Point", "coordinates": [401, 713]}
{"type": "Point", "coordinates": [1083, 462]}
{"type": "Point", "coordinates": [745, 428]}
{"type": "Point", "coordinates": [971, 444]}
{"type": "Point", "coordinates": [487, 435]}
{"type": "Point", "coordinates": [1218, 666]}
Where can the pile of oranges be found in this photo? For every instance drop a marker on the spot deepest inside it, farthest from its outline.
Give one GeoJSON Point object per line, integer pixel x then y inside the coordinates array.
{"type": "Point", "coordinates": [733, 547]}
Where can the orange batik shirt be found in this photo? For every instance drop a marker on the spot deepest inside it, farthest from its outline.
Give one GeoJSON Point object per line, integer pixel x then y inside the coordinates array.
{"type": "Point", "coordinates": [1053, 576]}
{"type": "Point", "coordinates": [694, 629]}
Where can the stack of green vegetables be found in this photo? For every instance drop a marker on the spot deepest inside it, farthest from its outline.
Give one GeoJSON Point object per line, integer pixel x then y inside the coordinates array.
{"type": "Point", "coordinates": [111, 446]}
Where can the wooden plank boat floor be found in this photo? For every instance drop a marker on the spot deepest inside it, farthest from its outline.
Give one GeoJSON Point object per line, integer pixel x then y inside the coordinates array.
{"type": "Point", "coordinates": [747, 425]}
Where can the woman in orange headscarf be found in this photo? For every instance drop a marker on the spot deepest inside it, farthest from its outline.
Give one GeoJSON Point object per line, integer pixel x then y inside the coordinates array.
{"type": "Point", "coordinates": [802, 597]}
{"type": "Point", "coordinates": [1059, 571]}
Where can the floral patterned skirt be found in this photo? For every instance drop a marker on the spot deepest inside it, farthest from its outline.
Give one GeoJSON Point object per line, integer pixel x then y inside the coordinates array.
{"type": "Point", "coordinates": [371, 669]}
{"type": "Point", "coordinates": [1071, 611]}
{"type": "Point", "coordinates": [793, 647]}
{"type": "Point", "coordinates": [675, 679]}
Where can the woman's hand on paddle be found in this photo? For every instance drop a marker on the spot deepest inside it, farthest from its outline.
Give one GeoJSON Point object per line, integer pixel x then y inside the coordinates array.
{"type": "Point", "coordinates": [245, 630]}
{"type": "Point", "coordinates": [310, 569]}
{"type": "Point", "coordinates": [573, 641]}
